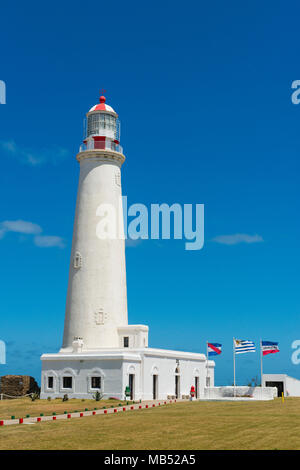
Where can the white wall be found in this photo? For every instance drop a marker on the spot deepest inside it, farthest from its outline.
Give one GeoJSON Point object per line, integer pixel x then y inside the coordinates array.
{"type": "Point", "coordinates": [97, 298]}
{"type": "Point", "coordinates": [115, 372]}
{"type": "Point", "coordinates": [292, 387]}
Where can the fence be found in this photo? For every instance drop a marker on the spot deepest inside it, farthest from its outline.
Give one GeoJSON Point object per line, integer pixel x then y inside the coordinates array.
{"type": "Point", "coordinates": [231, 393]}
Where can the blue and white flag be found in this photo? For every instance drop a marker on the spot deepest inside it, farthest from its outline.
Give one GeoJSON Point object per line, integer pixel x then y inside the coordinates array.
{"type": "Point", "coordinates": [214, 349]}
{"type": "Point", "coordinates": [243, 346]}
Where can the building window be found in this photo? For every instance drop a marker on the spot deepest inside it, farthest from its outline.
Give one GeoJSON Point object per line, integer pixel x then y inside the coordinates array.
{"type": "Point", "coordinates": [50, 382]}
{"type": "Point", "coordinates": [96, 382]}
{"type": "Point", "coordinates": [77, 260]}
{"type": "Point", "coordinates": [67, 382]}
{"type": "Point", "coordinates": [126, 341]}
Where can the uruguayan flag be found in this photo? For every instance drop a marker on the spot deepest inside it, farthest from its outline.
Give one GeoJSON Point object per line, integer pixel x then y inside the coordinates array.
{"type": "Point", "coordinates": [243, 346]}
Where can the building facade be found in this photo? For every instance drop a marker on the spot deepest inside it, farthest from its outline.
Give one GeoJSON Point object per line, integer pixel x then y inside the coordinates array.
{"type": "Point", "coordinates": [100, 351]}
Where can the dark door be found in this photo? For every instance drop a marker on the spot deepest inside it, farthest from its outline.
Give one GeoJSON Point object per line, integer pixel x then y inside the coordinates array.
{"type": "Point", "coordinates": [278, 385]}
{"type": "Point", "coordinates": [154, 387]}
{"type": "Point", "coordinates": [131, 385]}
{"type": "Point", "coordinates": [196, 386]}
{"type": "Point", "coordinates": [177, 385]}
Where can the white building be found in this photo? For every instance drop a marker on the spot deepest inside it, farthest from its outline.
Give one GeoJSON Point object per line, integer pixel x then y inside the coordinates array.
{"type": "Point", "coordinates": [100, 351]}
{"type": "Point", "coordinates": [289, 386]}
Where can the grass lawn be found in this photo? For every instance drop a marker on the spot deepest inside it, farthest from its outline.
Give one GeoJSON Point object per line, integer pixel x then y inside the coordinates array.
{"type": "Point", "coordinates": [188, 425]}
{"type": "Point", "coordinates": [20, 407]}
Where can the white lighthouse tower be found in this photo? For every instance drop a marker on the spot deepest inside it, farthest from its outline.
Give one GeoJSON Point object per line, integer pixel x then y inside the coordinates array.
{"type": "Point", "coordinates": [100, 351]}
{"type": "Point", "coordinates": [97, 299]}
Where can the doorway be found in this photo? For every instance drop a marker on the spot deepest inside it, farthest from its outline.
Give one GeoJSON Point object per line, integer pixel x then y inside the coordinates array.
{"type": "Point", "coordinates": [197, 387]}
{"type": "Point", "coordinates": [278, 385]}
{"type": "Point", "coordinates": [177, 386]}
{"type": "Point", "coordinates": [155, 386]}
{"type": "Point", "coordinates": [131, 386]}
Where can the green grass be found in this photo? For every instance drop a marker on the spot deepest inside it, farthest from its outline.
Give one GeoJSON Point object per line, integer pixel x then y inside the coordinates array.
{"type": "Point", "coordinates": [20, 407]}
{"type": "Point", "coordinates": [189, 425]}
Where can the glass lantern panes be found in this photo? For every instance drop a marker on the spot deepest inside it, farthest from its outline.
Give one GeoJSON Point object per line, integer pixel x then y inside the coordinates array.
{"type": "Point", "coordinates": [99, 122]}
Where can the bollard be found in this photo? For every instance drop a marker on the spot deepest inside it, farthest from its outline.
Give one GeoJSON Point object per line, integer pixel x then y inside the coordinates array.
{"type": "Point", "coordinates": [282, 397]}
{"type": "Point", "coordinates": [132, 407]}
{"type": "Point", "coordinates": [94, 412]}
{"type": "Point", "coordinates": [39, 420]}
{"type": "Point", "coordinates": [81, 415]}
{"type": "Point", "coordinates": [146, 406]}
{"type": "Point", "coordinates": [115, 410]}
{"type": "Point", "coordinates": [124, 409]}
{"type": "Point", "coordinates": [21, 421]}
{"type": "Point", "coordinates": [54, 418]}
{"type": "Point", "coordinates": [105, 412]}
{"type": "Point", "coordinates": [1, 423]}
{"type": "Point", "coordinates": [68, 416]}
{"type": "Point", "coordinates": [153, 405]}
{"type": "Point", "coordinates": [140, 407]}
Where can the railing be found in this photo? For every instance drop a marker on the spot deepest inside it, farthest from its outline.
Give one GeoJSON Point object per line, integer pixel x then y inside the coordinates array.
{"type": "Point", "coordinates": [101, 145]}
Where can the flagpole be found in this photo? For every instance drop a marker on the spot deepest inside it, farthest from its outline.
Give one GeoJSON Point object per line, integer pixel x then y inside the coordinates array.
{"type": "Point", "coordinates": [261, 364]}
{"type": "Point", "coordinates": [233, 369]}
{"type": "Point", "coordinates": [207, 366]}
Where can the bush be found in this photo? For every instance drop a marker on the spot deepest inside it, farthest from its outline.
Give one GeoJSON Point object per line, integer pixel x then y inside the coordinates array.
{"type": "Point", "coordinates": [65, 397]}
{"type": "Point", "coordinates": [98, 396]}
{"type": "Point", "coordinates": [35, 396]}
{"type": "Point", "coordinates": [49, 398]}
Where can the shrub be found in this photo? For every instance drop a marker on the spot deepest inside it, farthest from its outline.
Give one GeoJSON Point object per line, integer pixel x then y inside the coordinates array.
{"type": "Point", "coordinates": [65, 397]}
{"type": "Point", "coordinates": [98, 396]}
{"type": "Point", "coordinates": [35, 396]}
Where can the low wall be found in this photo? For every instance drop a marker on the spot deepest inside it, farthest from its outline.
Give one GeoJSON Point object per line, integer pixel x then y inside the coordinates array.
{"type": "Point", "coordinates": [227, 393]}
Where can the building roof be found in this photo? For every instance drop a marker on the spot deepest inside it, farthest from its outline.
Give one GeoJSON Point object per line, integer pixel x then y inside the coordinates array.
{"type": "Point", "coordinates": [102, 106]}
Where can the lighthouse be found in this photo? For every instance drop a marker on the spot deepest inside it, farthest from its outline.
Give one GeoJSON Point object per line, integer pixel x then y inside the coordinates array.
{"type": "Point", "coordinates": [101, 352]}
{"type": "Point", "coordinates": [97, 299]}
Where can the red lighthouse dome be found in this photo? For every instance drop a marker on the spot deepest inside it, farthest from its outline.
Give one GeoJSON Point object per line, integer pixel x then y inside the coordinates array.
{"type": "Point", "coordinates": [102, 106]}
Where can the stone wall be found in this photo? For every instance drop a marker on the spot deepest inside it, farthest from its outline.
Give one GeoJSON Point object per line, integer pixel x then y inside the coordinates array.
{"type": "Point", "coordinates": [17, 385]}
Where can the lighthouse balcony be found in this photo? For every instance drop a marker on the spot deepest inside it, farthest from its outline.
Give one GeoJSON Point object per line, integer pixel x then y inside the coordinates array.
{"type": "Point", "coordinates": [101, 145]}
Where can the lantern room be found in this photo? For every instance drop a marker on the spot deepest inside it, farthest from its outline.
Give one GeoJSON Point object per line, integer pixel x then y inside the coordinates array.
{"type": "Point", "coordinates": [102, 128]}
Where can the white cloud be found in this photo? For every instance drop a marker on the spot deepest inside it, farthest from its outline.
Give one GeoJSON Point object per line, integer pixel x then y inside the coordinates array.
{"type": "Point", "coordinates": [48, 241]}
{"type": "Point", "coordinates": [34, 157]}
{"type": "Point", "coordinates": [20, 226]}
{"type": "Point", "coordinates": [28, 228]}
{"type": "Point", "coordinates": [237, 238]}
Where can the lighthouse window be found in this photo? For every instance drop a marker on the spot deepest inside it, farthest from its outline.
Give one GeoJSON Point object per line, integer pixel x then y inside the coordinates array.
{"type": "Point", "coordinates": [126, 341]}
{"type": "Point", "coordinates": [99, 122]}
{"type": "Point", "coordinates": [96, 382]}
{"type": "Point", "coordinates": [67, 382]}
{"type": "Point", "coordinates": [77, 260]}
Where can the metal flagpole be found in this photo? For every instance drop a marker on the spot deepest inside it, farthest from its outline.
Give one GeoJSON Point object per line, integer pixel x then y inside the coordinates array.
{"type": "Point", "coordinates": [233, 369]}
{"type": "Point", "coordinates": [261, 365]}
{"type": "Point", "coordinates": [207, 368]}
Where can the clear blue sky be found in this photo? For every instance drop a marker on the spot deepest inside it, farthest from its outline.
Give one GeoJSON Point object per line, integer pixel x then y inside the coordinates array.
{"type": "Point", "coordinates": [203, 91]}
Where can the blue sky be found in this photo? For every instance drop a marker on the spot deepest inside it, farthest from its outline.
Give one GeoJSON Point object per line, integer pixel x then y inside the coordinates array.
{"type": "Point", "coordinates": [203, 91]}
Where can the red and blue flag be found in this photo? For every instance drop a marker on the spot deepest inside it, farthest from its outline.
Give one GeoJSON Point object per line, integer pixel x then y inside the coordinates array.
{"type": "Point", "coordinates": [269, 347]}
{"type": "Point", "coordinates": [214, 349]}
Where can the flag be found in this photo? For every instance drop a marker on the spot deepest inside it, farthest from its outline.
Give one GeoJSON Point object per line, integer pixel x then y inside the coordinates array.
{"type": "Point", "coordinates": [214, 349]}
{"type": "Point", "coordinates": [243, 346]}
{"type": "Point", "coordinates": [269, 347]}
